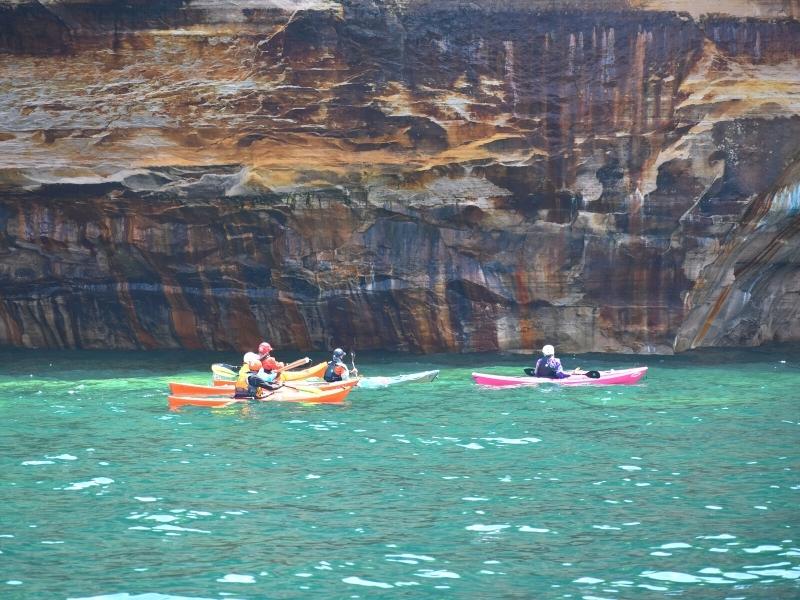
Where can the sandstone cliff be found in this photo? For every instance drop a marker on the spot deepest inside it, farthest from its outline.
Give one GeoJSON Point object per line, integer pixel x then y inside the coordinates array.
{"type": "Point", "coordinates": [421, 176]}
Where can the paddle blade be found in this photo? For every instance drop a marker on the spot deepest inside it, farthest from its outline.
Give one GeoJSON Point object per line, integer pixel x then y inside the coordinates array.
{"type": "Point", "coordinates": [593, 374]}
{"type": "Point", "coordinates": [530, 372]}
{"type": "Point", "coordinates": [222, 370]}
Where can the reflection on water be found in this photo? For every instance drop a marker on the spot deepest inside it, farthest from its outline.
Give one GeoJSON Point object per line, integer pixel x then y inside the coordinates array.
{"type": "Point", "coordinates": [684, 485]}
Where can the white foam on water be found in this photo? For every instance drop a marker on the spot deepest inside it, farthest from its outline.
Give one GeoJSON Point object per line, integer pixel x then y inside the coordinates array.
{"type": "Point", "coordinates": [655, 588]}
{"type": "Point", "coordinates": [674, 545]}
{"type": "Point", "coordinates": [161, 518]}
{"type": "Point", "coordinates": [147, 596]}
{"type": "Point", "coordinates": [471, 446]}
{"type": "Point", "coordinates": [437, 574]}
{"type": "Point", "coordinates": [81, 485]}
{"type": "Point", "coordinates": [763, 548]}
{"type": "Point", "coordinates": [717, 549]}
{"type": "Point", "coordinates": [713, 507]}
{"type": "Point", "coordinates": [405, 583]}
{"type": "Point", "coordinates": [30, 463]}
{"type": "Point", "coordinates": [739, 576]}
{"type": "Point", "coordinates": [50, 542]}
{"type": "Point", "coordinates": [528, 529]}
{"type": "Point", "coordinates": [630, 468]}
{"type": "Point", "coordinates": [176, 528]}
{"type": "Point", "coordinates": [606, 527]}
{"type": "Point", "coordinates": [312, 476]}
{"type": "Point", "coordinates": [513, 441]}
{"type": "Point", "coordinates": [588, 580]}
{"type": "Point", "coordinates": [13, 582]}
{"type": "Point", "coordinates": [146, 498]}
{"type": "Point", "coordinates": [367, 582]}
{"type": "Point", "coordinates": [673, 576]}
{"type": "Point", "coordinates": [486, 528]}
{"type": "Point", "coordinates": [783, 573]}
{"type": "Point", "coordinates": [475, 499]}
{"type": "Point", "coordinates": [411, 559]}
{"type": "Point", "coordinates": [63, 457]}
{"type": "Point", "coordinates": [236, 578]}
{"type": "Point", "coordinates": [769, 566]}
{"type": "Point", "coordinates": [657, 553]}
{"type": "Point", "coordinates": [723, 536]}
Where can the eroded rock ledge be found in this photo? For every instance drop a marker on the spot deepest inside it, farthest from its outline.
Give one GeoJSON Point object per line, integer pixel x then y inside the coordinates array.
{"type": "Point", "coordinates": [413, 176]}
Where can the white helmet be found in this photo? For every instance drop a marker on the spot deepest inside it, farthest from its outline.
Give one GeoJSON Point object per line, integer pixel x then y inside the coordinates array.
{"type": "Point", "coordinates": [548, 350]}
{"type": "Point", "coordinates": [249, 357]}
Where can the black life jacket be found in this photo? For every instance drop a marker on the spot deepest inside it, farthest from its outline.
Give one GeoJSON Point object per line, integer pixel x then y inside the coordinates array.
{"type": "Point", "coordinates": [543, 369]}
{"type": "Point", "coordinates": [330, 373]}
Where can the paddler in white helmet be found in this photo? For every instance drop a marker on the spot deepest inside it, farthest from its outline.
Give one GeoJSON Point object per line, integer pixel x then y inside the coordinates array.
{"type": "Point", "coordinates": [549, 365]}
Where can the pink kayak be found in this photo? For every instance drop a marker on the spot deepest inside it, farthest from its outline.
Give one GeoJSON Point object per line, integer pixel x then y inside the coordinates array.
{"type": "Point", "coordinates": [620, 377]}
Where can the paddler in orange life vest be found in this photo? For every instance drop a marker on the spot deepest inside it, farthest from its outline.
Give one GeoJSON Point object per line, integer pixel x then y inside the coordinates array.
{"type": "Point", "coordinates": [268, 362]}
{"type": "Point", "coordinates": [253, 381]}
{"type": "Point", "coordinates": [337, 370]}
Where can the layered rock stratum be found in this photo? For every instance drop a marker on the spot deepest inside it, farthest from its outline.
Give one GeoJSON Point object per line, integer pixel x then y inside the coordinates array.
{"type": "Point", "coordinates": [406, 175]}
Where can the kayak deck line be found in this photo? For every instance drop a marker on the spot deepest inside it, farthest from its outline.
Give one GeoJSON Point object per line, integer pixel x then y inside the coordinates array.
{"type": "Point", "coordinates": [313, 387]}
{"type": "Point", "coordinates": [334, 396]}
{"type": "Point", "coordinates": [612, 377]}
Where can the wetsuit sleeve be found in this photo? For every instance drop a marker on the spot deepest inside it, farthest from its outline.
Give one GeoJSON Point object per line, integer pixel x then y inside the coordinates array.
{"type": "Point", "coordinates": [560, 370]}
{"type": "Point", "coordinates": [256, 381]}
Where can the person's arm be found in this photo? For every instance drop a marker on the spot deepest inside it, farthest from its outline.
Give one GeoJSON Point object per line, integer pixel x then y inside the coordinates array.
{"type": "Point", "coordinates": [265, 381]}
{"type": "Point", "coordinates": [559, 369]}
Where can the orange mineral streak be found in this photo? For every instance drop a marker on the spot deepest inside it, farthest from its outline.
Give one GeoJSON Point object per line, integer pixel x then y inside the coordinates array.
{"type": "Point", "coordinates": [181, 315]}
{"type": "Point", "coordinates": [143, 338]}
{"type": "Point", "coordinates": [712, 315]}
{"type": "Point", "coordinates": [12, 329]}
{"type": "Point", "coordinates": [528, 333]}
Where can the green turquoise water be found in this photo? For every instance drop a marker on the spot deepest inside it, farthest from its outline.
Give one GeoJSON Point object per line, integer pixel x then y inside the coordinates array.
{"type": "Point", "coordinates": [687, 485]}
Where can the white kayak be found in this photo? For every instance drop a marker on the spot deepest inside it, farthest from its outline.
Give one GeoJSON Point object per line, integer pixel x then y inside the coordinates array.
{"type": "Point", "coordinates": [381, 382]}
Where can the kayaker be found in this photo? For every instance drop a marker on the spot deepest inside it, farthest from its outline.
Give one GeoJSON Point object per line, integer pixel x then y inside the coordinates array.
{"type": "Point", "coordinates": [268, 361]}
{"type": "Point", "coordinates": [253, 381]}
{"type": "Point", "coordinates": [337, 370]}
{"type": "Point", "coordinates": [549, 365]}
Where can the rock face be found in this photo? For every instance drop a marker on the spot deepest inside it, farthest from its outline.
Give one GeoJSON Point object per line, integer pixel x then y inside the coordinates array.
{"type": "Point", "coordinates": [419, 176]}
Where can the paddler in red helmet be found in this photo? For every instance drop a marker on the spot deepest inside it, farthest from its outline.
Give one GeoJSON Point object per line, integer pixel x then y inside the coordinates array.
{"type": "Point", "coordinates": [268, 362]}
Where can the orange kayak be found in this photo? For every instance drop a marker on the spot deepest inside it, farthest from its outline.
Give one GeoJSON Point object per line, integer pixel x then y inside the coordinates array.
{"type": "Point", "coordinates": [313, 371]}
{"type": "Point", "coordinates": [192, 389]}
{"type": "Point", "coordinates": [335, 396]}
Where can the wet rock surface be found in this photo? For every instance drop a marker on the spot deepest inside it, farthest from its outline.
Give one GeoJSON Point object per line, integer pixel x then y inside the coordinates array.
{"type": "Point", "coordinates": [399, 175]}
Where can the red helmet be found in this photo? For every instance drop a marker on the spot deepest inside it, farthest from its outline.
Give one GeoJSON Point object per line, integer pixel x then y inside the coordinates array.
{"type": "Point", "coordinates": [270, 364]}
{"type": "Point", "coordinates": [264, 348]}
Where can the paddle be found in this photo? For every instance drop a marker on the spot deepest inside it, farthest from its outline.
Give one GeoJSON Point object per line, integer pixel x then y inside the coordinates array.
{"type": "Point", "coordinates": [223, 370]}
{"type": "Point", "coordinates": [232, 371]}
{"type": "Point", "coordinates": [353, 361]}
{"type": "Point", "coordinates": [590, 374]}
